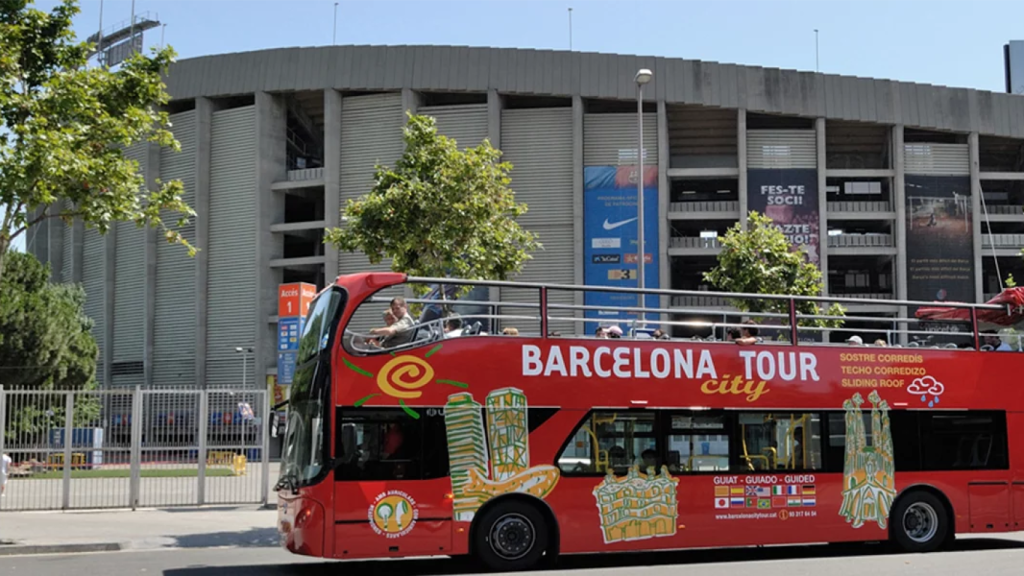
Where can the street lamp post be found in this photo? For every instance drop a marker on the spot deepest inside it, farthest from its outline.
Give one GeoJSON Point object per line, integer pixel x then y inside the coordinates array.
{"type": "Point", "coordinates": [245, 364]}
{"type": "Point", "coordinates": [643, 76]}
{"type": "Point", "coordinates": [334, 36]}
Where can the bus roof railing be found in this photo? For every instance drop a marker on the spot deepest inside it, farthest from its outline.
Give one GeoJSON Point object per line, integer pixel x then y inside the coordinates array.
{"type": "Point", "coordinates": [703, 293]}
{"type": "Point", "coordinates": [787, 323]}
{"type": "Point", "coordinates": [653, 310]}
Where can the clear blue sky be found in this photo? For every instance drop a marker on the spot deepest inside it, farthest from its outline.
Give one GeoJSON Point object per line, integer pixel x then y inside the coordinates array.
{"type": "Point", "coordinates": [949, 43]}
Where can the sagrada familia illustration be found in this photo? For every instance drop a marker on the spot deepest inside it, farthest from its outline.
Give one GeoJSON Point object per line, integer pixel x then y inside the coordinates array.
{"type": "Point", "coordinates": [869, 472]}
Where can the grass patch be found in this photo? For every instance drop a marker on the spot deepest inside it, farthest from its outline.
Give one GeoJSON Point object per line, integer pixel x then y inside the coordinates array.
{"type": "Point", "coordinates": [126, 473]}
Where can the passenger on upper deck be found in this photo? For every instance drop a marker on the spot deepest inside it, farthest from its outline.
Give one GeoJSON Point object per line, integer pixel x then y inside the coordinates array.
{"type": "Point", "coordinates": [748, 334]}
{"type": "Point", "coordinates": [660, 334]}
{"type": "Point", "coordinates": [453, 327]}
{"type": "Point", "coordinates": [855, 340]}
{"type": "Point", "coordinates": [389, 319]}
{"type": "Point", "coordinates": [401, 331]}
{"type": "Point", "coordinates": [997, 343]}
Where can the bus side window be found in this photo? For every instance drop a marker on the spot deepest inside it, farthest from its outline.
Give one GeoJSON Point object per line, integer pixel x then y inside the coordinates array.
{"type": "Point", "coordinates": [615, 440]}
{"type": "Point", "coordinates": [386, 444]}
{"type": "Point", "coordinates": [904, 432]}
{"type": "Point", "coordinates": [697, 442]}
{"type": "Point", "coordinates": [779, 441]}
{"type": "Point", "coordinates": [974, 440]}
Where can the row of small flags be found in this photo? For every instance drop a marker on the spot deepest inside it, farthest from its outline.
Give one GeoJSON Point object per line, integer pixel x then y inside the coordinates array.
{"type": "Point", "coordinates": [765, 497]}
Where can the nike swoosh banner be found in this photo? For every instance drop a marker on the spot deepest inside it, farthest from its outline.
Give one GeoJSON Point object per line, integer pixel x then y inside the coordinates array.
{"type": "Point", "coordinates": [610, 230]}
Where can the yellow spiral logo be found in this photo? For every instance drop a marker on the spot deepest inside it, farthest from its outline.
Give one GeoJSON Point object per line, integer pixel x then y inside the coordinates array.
{"type": "Point", "coordinates": [403, 376]}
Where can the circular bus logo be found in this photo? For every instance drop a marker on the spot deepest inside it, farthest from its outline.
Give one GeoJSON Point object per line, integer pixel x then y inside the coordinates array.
{"type": "Point", "coordinates": [393, 514]}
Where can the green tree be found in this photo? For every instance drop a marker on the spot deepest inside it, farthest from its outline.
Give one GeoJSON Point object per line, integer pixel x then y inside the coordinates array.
{"type": "Point", "coordinates": [63, 126]}
{"type": "Point", "coordinates": [760, 260]}
{"type": "Point", "coordinates": [440, 212]}
{"type": "Point", "coordinates": [45, 344]}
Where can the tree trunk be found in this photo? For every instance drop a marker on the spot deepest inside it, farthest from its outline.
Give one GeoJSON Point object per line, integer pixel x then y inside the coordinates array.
{"type": "Point", "coordinates": [5, 245]}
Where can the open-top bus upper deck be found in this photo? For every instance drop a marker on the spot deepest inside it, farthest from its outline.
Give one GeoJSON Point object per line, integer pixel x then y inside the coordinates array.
{"type": "Point", "coordinates": [571, 371]}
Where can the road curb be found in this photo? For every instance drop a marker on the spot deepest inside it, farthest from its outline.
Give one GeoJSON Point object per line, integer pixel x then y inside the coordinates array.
{"type": "Point", "coordinates": [26, 549]}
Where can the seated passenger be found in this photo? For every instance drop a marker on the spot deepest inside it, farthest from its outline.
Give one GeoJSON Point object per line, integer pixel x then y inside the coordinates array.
{"type": "Point", "coordinates": [453, 327]}
{"type": "Point", "coordinates": [660, 334]}
{"type": "Point", "coordinates": [401, 331]}
{"type": "Point", "coordinates": [748, 334]}
{"type": "Point", "coordinates": [649, 459]}
{"type": "Point", "coordinates": [997, 343]}
{"type": "Point", "coordinates": [510, 331]}
{"type": "Point", "coordinates": [855, 340]}
{"type": "Point", "coordinates": [614, 331]}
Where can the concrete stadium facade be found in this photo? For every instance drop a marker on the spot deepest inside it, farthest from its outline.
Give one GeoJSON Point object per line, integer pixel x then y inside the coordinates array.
{"type": "Point", "coordinates": [274, 142]}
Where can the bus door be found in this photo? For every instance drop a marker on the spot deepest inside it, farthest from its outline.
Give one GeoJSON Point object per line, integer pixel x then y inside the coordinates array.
{"type": "Point", "coordinates": [392, 492]}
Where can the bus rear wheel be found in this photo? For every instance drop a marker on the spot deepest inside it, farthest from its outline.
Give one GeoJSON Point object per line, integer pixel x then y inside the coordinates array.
{"type": "Point", "coordinates": [919, 522]}
{"type": "Point", "coordinates": [511, 536]}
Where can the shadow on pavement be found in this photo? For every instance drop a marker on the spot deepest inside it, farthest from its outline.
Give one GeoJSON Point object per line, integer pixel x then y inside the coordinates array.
{"type": "Point", "coordinates": [460, 566]}
{"type": "Point", "coordinates": [254, 538]}
{"type": "Point", "coordinates": [215, 508]}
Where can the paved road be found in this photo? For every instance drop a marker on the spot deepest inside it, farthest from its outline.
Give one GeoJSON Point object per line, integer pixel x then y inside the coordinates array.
{"type": "Point", "coordinates": [991, 557]}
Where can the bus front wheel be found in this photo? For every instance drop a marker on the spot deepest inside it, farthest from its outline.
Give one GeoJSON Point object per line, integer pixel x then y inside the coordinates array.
{"type": "Point", "coordinates": [511, 536]}
{"type": "Point", "coordinates": [919, 522]}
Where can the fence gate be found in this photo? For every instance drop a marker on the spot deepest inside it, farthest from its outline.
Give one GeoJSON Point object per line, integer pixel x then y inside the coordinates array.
{"type": "Point", "coordinates": [134, 448]}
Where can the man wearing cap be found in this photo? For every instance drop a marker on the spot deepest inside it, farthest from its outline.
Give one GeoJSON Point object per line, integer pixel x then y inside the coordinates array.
{"type": "Point", "coordinates": [855, 341]}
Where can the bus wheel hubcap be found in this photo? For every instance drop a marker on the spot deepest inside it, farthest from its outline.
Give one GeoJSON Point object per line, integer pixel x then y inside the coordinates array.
{"type": "Point", "coordinates": [920, 522]}
{"type": "Point", "coordinates": [512, 536]}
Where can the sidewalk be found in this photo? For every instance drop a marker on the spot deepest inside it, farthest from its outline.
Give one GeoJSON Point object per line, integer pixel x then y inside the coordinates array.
{"type": "Point", "coordinates": [110, 530]}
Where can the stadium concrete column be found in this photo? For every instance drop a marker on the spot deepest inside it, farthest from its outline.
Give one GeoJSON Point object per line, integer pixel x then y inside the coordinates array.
{"type": "Point", "coordinates": [976, 192]}
{"type": "Point", "coordinates": [664, 193]}
{"type": "Point", "coordinates": [741, 162]}
{"type": "Point", "coordinates": [271, 166]}
{"type": "Point", "coordinates": [819, 131]}
{"type": "Point", "coordinates": [77, 250]}
{"type": "Point", "coordinates": [411, 102]}
{"type": "Point", "coordinates": [204, 120]}
{"type": "Point", "coordinates": [899, 201]}
{"type": "Point", "coordinates": [55, 244]}
{"type": "Point", "coordinates": [332, 176]}
{"type": "Point", "coordinates": [109, 283]}
{"type": "Point", "coordinates": [495, 104]}
{"type": "Point", "coordinates": [578, 110]}
{"type": "Point", "coordinates": [152, 174]}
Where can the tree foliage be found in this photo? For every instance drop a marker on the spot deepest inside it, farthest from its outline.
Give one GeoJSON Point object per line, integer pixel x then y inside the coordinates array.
{"type": "Point", "coordinates": [45, 344]}
{"type": "Point", "coordinates": [63, 127]}
{"type": "Point", "coordinates": [440, 212]}
{"type": "Point", "coordinates": [760, 260]}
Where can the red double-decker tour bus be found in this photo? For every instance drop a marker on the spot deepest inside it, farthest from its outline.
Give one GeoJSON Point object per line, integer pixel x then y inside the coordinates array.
{"type": "Point", "coordinates": [451, 435]}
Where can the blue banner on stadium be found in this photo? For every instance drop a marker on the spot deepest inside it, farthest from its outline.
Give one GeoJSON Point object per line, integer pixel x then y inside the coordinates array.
{"type": "Point", "coordinates": [610, 230]}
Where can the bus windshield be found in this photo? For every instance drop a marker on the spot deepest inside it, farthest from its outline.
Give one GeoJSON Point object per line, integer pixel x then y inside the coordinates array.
{"type": "Point", "coordinates": [304, 451]}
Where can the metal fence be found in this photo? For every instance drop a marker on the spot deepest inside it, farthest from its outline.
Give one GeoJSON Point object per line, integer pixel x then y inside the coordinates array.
{"type": "Point", "coordinates": [134, 448]}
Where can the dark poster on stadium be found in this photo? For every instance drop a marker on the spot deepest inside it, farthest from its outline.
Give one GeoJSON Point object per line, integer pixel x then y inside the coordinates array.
{"type": "Point", "coordinates": [790, 198]}
{"type": "Point", "coordinates": [940, 243]}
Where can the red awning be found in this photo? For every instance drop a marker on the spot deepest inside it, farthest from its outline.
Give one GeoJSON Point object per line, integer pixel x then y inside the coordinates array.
{"type": "Point", "coordinates": [1012, 297]}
